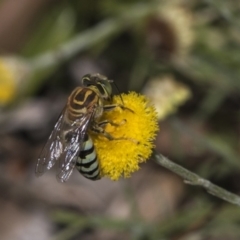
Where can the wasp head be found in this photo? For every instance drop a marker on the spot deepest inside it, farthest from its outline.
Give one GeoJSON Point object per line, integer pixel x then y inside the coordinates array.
{"type": "Point", "coordinates": [99, 82]}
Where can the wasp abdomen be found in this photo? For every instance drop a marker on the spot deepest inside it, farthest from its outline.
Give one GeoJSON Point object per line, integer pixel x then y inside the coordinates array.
{"type": "Point", "coordinates": [87, 163]}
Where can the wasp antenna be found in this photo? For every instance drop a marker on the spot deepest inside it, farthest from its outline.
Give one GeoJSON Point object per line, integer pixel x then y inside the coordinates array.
{"type": "Point", "coordinates": [118, 91]}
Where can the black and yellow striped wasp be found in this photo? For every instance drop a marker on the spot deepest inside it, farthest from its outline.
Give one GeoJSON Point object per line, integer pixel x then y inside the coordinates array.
{"type": "Point", "coordinates": [69, 144]}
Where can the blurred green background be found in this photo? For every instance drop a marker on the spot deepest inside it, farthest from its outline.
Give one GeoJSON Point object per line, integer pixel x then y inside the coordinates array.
{"type": "Point", "coordinates": [184, 55]}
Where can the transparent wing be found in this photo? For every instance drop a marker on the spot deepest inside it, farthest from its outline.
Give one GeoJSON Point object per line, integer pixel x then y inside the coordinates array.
{"type": "Point", "coordinates": [64, 145]}
{"type": "Point", "coordinates": [74, 137]}
{"type": "Point", "coordinates": [52, 149]}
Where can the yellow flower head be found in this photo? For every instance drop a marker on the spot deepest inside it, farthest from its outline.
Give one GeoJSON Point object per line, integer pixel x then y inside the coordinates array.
{"type": "Point", "coordinates": [136, 129]}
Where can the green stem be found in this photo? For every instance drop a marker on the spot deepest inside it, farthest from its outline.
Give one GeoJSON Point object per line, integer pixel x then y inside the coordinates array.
{"type": "Point", "coordinates": [193, 179]}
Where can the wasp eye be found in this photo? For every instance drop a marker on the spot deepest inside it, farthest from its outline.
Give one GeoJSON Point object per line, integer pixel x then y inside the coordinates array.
{"type": "Point", "coordinates": [101, 89]}
{"type": "Point", "coordinates": [105, 89]}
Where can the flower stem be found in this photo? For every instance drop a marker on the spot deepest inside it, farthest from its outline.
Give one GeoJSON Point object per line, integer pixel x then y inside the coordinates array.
{"type": "Point", "coordinates": [193, 179]}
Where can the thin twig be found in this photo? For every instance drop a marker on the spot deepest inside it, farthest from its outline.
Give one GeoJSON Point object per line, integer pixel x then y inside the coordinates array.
{"type": "Point", "coordinates": [193, 179]}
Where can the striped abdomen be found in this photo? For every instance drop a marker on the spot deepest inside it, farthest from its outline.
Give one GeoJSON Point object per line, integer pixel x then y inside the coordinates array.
{"type": "Point", "coordinates": [80, 100]}
{"type": "Point", "coordinates": [87, 162]}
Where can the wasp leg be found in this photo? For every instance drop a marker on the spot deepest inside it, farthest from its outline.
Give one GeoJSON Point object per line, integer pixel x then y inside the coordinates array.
{"type": "Point", "coordinates": [109, 107]}
{"type": "Point", "coordinates": [105, 122]}
{"type": "Point", "coordinates": [98, 129]}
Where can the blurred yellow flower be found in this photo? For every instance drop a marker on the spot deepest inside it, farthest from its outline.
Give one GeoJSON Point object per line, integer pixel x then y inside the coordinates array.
{"type": "Point", "coordinates": [166, 94]}
{"type": "Point", "coordinates": [13, 71]}
{"type": "Point", "coordinates": [122, 157]}
{"type": "Point", "coordinates": [7, 86]}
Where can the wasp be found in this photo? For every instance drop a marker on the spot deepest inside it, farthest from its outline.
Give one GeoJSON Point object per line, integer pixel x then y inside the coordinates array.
{"type": "Point", "coordinates": [69, 143]}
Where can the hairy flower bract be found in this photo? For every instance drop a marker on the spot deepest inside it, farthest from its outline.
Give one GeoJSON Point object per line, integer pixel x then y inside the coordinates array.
{"type": "Point", "coordinates": [135, 128]}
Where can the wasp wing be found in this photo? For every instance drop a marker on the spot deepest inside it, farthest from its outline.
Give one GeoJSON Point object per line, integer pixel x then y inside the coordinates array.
{"type": "Point", "coordinates": [52, 149]}
{"type": "Point", "coordinates": [73, 145]}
